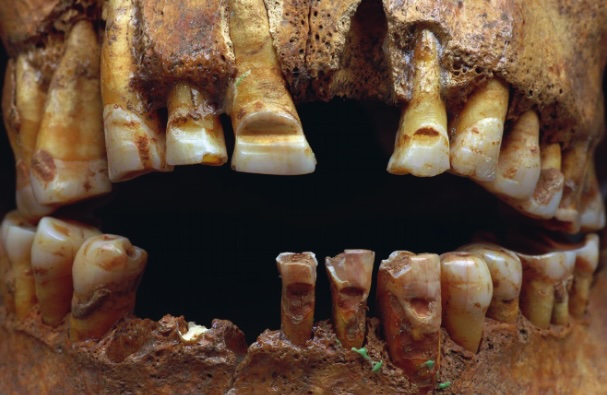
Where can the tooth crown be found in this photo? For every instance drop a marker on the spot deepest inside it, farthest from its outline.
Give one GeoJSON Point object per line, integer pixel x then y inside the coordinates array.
{"type": "Point", "coordinates": [352, 269]}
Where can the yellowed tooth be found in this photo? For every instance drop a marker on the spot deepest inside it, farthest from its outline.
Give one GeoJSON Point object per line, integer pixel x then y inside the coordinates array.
{"type": "Point", "coordinates": [466, 292]}
{"type": "Point", "coordinates": [586, 262]}
{"type": "Point", "coordinates": [7, 277]}
{"type": "Point", "coordinates": [17, 240]}
{"type": "Point", "coordinates": [592, 206]}
{"type": "Point", "coordinates": [575, 166]}
{"type": "Point", "coordinates": [422, 144]}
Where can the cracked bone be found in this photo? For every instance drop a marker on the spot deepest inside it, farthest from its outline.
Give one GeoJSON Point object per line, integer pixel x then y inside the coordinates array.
{"type": "Point", "coordinates": [298, 274]}
{"type": "Point", "coordinates": [106, 272]}
{"type": "Point", "coordinates": [592, 205]}
{"type": "Point", "coordinates": [350, 276]}
{"type": "Point", "coordinates": [422, 145]}
{"type": "Point", "coordinates": [409, 302]}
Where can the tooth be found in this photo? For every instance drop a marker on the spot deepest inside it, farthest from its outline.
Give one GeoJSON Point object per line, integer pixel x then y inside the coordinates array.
{"type": "Point", "coordinates": [574, 167]}
{"type": "Point", "coordinates": [17, 240]}
{"type": "Point", "coordinates": [478, 131]}
{"type": "Point", "coordinates": [133, 134]}
{"type": "Point", "coordinates": [422, 144]}
{"type": "Point", "coordinates": [269, 135]}
{"type": "Point", "coordinates": [194, 132]}
{"type": "Point", "coordinates": [466, 292]}
{"type": "Point", "coordinates": [586, 262]}
{"type": "Point", "coordinates": [7, 278]}
{"type": "Point", "coordinates": [69, 163]}
{"type": "Point", "coordinates": [592, 217]}
{"type": "Point", "coordinates": [409, 302]}
{"type": "Point", "coordinates": [350, 276]}
{"type": "Point", "coordinates": [106, 272]}
{"type": "Point", "coordinates": [54, 248]}
{"type": "Point", "coordinates": [298, 273]}
{"type": "Point", "coordinates": [506, 276]}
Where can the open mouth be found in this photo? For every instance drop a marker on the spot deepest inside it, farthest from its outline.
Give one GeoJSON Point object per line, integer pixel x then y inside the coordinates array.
{"type": "Point", "coordinates": [479, 245]}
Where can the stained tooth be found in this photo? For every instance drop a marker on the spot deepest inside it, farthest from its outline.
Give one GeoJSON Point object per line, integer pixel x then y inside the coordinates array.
{"type": "Point", "coordinates": [269, 135]}
{"type": "Point", "coordinates": [133, 134]}
{"type": "Point", "coordinates": [478, 131]}
{"type": "Point", "coordinates": [409, 301]}
{"type": "Point", "coordinates": [586, 262]}
{"type": "Point", "coordinates": [7, 277]}
{"type": "Point", "coordinates": [17, 240]}
{"type": "Point", "coordinates": [298, 274]}
{"type": "Point", "coordinates": [350, 276]}
{"type": "Point", "coordinates": [466, 291]}
{"type": "Point", "coordinates": [422, 144]}
{"type": "Point", "coordinates": [592, 217]}
{"type": "Point", "coordinates": [575, 166]}
{"type": "Point", "coordinates": [54, 248]}
{"type": "Point", "coordinates": [69, 163]}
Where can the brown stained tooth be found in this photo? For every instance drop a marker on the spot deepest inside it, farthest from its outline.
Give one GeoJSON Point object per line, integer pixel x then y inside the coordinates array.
{"type": "Point", "coordinates": [575, 165]}
{"type": "Point", "coordinates": [106, 272]}
{"type": "Point", "coordinates": [7, 277]}
{"type": "Point", "coordinates": [298, 274]}
{"type": "Point", "coordinates": [592, 217]}
{"type": "Point", "coordinates": [350, 276]}
{"type": "Point", "coordinates": [409, 302]}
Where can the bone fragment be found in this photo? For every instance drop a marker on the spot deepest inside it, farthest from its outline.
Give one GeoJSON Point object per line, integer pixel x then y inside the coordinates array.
{"type": "Point", "coordinates": [575, 166]}
{"type": "Point", "coordinates": [7, 277]}
{"type": "Point", "coordinates": [592, 205]}
{"type": "Point", "coordinates": [17, 240]}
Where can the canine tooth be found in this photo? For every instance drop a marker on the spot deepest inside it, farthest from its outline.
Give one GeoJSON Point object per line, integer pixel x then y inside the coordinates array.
{"type": "Point", "coordinates": [194, 131]}
{"type": "Point", "coordinates": [575, 166]}
{"type": "Point", "coordinates": [106, 272]}
{"type": "Point", "coordinates": [466, 291]}
{"type": "Point", "coordinates": [269, 135]}
{"type": "Point", "coordinates": [17, 240]}
{"type": "Point", "coordinates": [478, 130]}
{"type": "Point", "coordinates": [69, 163]}
{"type": "Point", "coordinates": [298, 274]}
{"type": "Point", "coordinates": [422, 144]}
{"type": "Point", "coordinates": [350, 276]}
{"type": "Point", "coordinates": [53, 251]}
{"type": "Point", "coordinates": [133, 134]}
{"type": "Point", "coordinates": [592, 217]}
{"type": "Point", "coordinates": [409, 302]}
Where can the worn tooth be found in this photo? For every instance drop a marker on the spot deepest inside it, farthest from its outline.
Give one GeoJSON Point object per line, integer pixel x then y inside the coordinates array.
{"type": "Point", "coordinates": [409, 301]}
{"type": "Point", "coordinates": [133, 134]}
{"type": "Point", "coordinates": [194, 131]}
{"type": "Point", "coordinates": [269, 135]}
{"type": "Point", "coordinates": [422, 145]}
{"type": "Point", "coordinates": [575, 166]}
{"type": "Point", "coordinates": [506, 276]}
{"type": "Point", "coordinates": [475, 145]}
{"type": "Point", "coordinates": [69, 162]}
{"type": "Point", "coordinates": [53, 251]}
{"type": "Point", "coordinates": [7, 277]}
{"type": "Point", "coordinates": [106, 272]}
{"type": "Point", "coordinates": [17, 240]}
{"type": "Point", "coordinates": [592, 217]}
{"type": "Point", "coordinates": [586, 262]}
{"type": "Point", "coordinates": [350, 276]}
{"type": "Point", "coordinates": [466, 291]}
{"type": "Point", "coordinates": [298, 274]}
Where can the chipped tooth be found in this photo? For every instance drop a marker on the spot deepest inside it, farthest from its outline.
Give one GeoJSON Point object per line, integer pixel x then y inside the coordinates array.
{"type": "Point", "coordinates": [575, 165]}
{"type": "Point", "coordinates": [106, 272]}
{"type": "Point", "coordinates": [409, 302]}
{"type": "Point", "coordinates": [298, 274]}
{"type": "Point", "coordinates": [592, 217]}
{"type": "Point", "coordinates": [17, 240]}
{"type": "Point", "coordinates": [194, 333]}
{"type": "Point", "coordinates": [350, 276]}
{"type": "Point", "coordinates": [422, 144]}
{"type": "Point", "coordinates": [269, 135]}
{"type": "Point", "coordinates": [478, 130]}
{"type": "Point", "coordinates": [466, 291]}
{"type": "Point", "coordinates": [53, 251]}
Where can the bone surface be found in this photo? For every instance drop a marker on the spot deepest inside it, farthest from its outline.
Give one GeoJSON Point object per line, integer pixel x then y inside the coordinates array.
{"type": "Point", "coordinates": [17, 240]}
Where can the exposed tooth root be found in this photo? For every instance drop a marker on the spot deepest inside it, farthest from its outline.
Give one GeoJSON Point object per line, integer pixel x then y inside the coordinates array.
{"type": "Point", "coordinates": [17, 241]}
{"type": "Point", "coordinates": [466, 291]}
{"type": "Point", "coordinates": [106, 272]}
{"type": "Point", "coordinates": [133, 134]}
{"type": "Point", "coordinates": [298, 274]}
{"type": "Point", "coordinates": [586, 262]}
{"type": "Point", "coordinates": [269, 135]}
{"type": "Point", "coordinates": [575, 166]}
{"type": "Point", "coordinates": [422, 144]}
{"type": "Point", "coordinates": [592, 217]}
{"type": "Point", "coordinates": [7, 277]}
{"type": "Point", "coordinates": [194, 131]}
{"type": "Point", "coordinates": [478, 130]}
{"type": "Point", "coordinates": [350, 276]}
{"type": "Point", "coordinates": [53, 251]}
{"type": "Point", "coordinates": [409, 302]}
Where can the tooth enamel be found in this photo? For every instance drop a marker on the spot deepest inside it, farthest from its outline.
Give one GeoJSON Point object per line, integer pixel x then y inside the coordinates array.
{"type": "Point", "coordinates": [17, 240]}
{"type": "Point", "coordinates": [409, 302]}
{"type": "Point", "coordinates": [586, 262]}
{"type": "Point", "coordinates": [422, 144]}
{"type": "Point", "coordinates": [7, 277]}
{"type": "Point", "coordinates": [350, 276]}
{"type": "Point", "coordinates": [106, 272]}
{"type": "Point", "coordinates": [466, 292]}
{"type": "Point", "coordinates": [133, 134]}
{"type": "Point", "coordinates": [592, 217]}
{"type": "Point", "coordinates": [298, 274]}
{"type": "Point", "coordinates": [53, 251]}
{"type": "Point", "coordinates": [574, 167]}
{"type": "Point", "coordinates": [506, 276]}
{"type": "Point", "coordinates": [478, 131]}
{"type": "Point", "coordinates": [269, 135]}
{"type": "Point", "coordinates": [193, 334]}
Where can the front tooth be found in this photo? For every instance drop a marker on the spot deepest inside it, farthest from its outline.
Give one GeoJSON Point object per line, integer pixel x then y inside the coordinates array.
{"type": "Point", "coordinates": [575, 166]}
{"type": "Point", "coordinates": [106, 272]}
{"type": "Point", "coordinates": [17, 240]}
{"type": "Point", "coordinates": [350, 276]}
{"type": "Point", "coordinates": [592, 217]}
{"type": "Point", "coordinates": [467, 290]}
{"type": "Point", "coordinates": [298, 274]}
{"type": "Point", "coordinates": [478, 130]}
{"type": "Point", "coordinates": [269, 135]}
{"type": "Point", "coordinates": [422, 144]}
{"type": "Point", "coordinates": [409, 302]}
{"type": "Point", "coordinates": [7, 277]}
{"type": "Point", "coordinates": [54, 248]}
